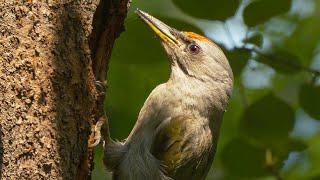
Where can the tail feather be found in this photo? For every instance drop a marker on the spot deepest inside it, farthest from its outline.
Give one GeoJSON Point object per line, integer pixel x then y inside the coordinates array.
{"type": "Point", "coordinates": [132, 164]}
{"type": "Point", "coordinates": [114, 151]}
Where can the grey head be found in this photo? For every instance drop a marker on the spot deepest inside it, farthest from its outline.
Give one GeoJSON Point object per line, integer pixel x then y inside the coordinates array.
{"type": "Point", "coordinates": [191, 55]}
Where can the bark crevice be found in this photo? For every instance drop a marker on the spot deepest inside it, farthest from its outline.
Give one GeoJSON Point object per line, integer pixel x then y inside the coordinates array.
{"type": "Point", "coordinates": [108, 23]}
{"type": "Point", "coordinates": [74, 87]}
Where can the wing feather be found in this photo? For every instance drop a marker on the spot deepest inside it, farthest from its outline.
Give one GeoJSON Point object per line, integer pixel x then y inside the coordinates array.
{"type": "Point", "coordinates": [184, 146]}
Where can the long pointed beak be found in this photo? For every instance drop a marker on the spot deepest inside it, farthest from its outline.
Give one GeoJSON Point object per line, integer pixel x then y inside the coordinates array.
{"type": "Point", "coordinates": [161, 29]}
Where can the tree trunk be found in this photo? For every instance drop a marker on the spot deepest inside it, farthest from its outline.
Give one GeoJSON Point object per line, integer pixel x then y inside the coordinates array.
{"type": "Point", "coordinates": [48, 98]}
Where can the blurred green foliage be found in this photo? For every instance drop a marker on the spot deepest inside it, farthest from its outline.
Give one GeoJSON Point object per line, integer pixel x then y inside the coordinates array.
{"type": "Point", "coordinates": [271, 127]}
{"type": "Point", "coordinates": [262, 10]}
{"type": "Point", "coordinates": [204, 8]}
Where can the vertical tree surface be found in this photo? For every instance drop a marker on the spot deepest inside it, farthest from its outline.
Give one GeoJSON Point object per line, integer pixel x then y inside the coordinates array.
{"type": "Point", "coordinates": [48, 97]}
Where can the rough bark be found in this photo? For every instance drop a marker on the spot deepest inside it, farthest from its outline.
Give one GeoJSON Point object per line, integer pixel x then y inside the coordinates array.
{"type": "Point", "coordinates": [107, 27]}
{"type": "Point", "coordinates": [48, 97]}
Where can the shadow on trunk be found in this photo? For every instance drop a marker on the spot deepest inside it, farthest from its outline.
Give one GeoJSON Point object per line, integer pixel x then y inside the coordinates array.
{"type": "Point", "coordinates": [74, 95]}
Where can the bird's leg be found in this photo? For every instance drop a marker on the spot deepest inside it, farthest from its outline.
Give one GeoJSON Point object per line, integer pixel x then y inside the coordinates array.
{"type": "Point", "coordinates": [95, 136]}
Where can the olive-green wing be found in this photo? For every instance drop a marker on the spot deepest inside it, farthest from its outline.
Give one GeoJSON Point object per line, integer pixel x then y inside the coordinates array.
{"type": "Point", "coordinates": [184, 147]}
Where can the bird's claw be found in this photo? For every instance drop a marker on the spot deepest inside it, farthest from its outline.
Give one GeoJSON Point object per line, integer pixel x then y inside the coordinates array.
{"type": "Point", "coordinates": [95, 136]}
{"type": "Point", "coordinates": [101, 87]}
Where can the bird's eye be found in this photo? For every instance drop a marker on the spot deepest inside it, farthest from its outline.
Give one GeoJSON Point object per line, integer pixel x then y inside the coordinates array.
{"type": "Point", "coordinates": [194, 49]}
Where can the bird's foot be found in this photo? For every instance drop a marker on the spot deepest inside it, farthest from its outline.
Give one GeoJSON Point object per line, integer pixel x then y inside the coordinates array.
{"type": "Point", "coordinates": [95, 136]}
{"type": "Point", "coordinates": [101, 87]}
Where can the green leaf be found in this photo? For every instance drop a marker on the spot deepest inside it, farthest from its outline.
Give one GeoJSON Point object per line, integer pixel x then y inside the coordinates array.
{"type": "Point", "coordinates": [297, 145]}
{"type": "Point", "coordinates": [268, 120]}
{"type": "Point", "coordinates": [309, 98]}
{"type": "Point", "coordinates": [260, 11]}
{"type": "Point", "coordinates": [238, 59]}
{"type": "Point", "coordinates": [256, 39]}
{"type": "Point", "coordinates": [281, 149]}
{"type": "Point", "coordinates": [243, 159]}
{"type": "Point", "coordinates": [282, 61]}
{"type": "Point", "coordinates": [209, 9]}
{"type": "Point", "coordinates": [305, 39]}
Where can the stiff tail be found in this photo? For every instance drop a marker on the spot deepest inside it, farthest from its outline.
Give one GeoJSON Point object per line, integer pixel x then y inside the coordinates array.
{"type": "Point", "coordinates": [113, 154]}
{"type": "Point", "coordinates": [132, 164]}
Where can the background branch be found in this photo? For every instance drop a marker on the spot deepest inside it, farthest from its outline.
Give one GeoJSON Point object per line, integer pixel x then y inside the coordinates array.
{"type": "Point", "coordinates": [284, 61]}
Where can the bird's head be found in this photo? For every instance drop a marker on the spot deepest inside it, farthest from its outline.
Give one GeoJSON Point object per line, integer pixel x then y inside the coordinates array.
{"type": "Point", "coordinates": [191, 55]}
